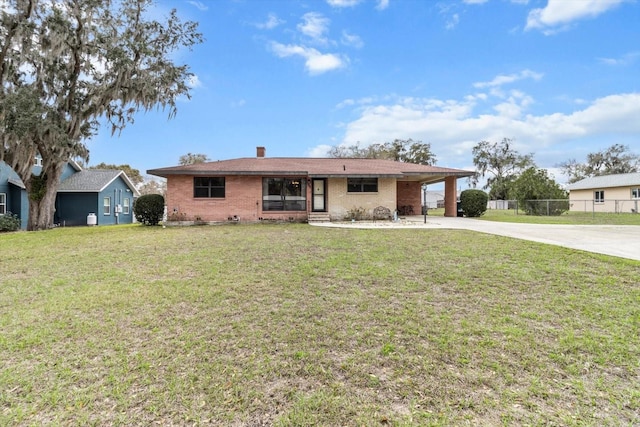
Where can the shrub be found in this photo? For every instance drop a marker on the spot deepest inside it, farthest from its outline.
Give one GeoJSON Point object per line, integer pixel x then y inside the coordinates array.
{"type": "Point", "coordinates": [9, 222]}
{"type": "Point", "coordinates": [473, 202]}
{"type": "Point", "coordinates": [149, 209]}
{"type": "Point", "coordinates": [539, 194]}
{"type": "Point", "coordinates": [356, 214]}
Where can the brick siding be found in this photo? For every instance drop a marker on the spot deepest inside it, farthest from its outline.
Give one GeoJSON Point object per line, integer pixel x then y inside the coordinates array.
{"type": "Point", "coordinates": [243, 198]}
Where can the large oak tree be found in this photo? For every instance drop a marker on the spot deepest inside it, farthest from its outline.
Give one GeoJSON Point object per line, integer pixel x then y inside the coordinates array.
{"type": "Point", "coordinates": [500, 164]}
{"type": "Point", "coordinates": [401, 150]}
{"type": "Point", "coordinates": [67, 64]}
{"type": "Point", "coordinates": [614, 160]}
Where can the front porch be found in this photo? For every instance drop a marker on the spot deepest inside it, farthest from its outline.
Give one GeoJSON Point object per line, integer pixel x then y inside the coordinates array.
{"type": "Point", "coordinates": [329, 199]}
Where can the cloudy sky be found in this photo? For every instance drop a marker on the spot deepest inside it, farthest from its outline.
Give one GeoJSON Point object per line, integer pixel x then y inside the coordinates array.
{"type": "Point", "coordinates": [559, 77]}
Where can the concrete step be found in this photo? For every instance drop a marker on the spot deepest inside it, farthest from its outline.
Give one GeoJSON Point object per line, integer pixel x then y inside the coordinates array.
{"type": "Point", "coordinates": [319, 217]}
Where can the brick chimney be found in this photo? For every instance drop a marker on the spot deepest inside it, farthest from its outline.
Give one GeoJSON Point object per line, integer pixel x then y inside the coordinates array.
{"type": "Point", "coordinates": [260, 151]}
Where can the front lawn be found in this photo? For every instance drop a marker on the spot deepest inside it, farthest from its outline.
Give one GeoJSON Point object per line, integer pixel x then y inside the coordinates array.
{"type": "Point", "coordinates": [293, 325]}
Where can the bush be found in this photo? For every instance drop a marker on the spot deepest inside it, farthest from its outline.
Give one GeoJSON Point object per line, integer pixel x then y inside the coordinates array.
{"type": "Point", "coordinates": [149, 209]}
{"type": "Point", "coordinates": [9, 222]}
{"type": "Point", "coordinates": [473, 202]}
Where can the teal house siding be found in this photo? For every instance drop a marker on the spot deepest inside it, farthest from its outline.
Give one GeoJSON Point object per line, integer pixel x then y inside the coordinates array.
{"type": "Point", "coordinates": [15, 195]}
{"type": "Point", "coordinates": [108, 194]}
{"type": "Point", "coordinates": [73, 208]}
{"type": "Point", "coordinates": [80, 193]}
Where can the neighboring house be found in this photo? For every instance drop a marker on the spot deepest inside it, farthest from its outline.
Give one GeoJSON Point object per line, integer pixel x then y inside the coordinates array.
{"type": "Point", "coordinates": [607, 193]}
{"type": "Point", "coordinates": [13, 198]}
{"type": "Point", "coordinates": [300, 189]}
{"type": "Point", "coordinates": [108, 194]}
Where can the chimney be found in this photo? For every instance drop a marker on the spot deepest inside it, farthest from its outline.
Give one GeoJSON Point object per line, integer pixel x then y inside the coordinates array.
{"type": "Point", "coordinates": [260, 151]}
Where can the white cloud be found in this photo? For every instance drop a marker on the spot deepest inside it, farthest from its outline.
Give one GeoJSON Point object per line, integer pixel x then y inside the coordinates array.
{"type": "Point", "coordinates": [272, 22]}
{"type": "Point", "coordinates": [626, 59]}
{"type": "Point", "coordinates": [194, 81]}
{"type": "Point", "coordinates": [315, 61]}
{"type": "Point", "coordinates": [560, 13]}
{"type": "Point", "coordinates": [319, 151]}
{"type": "Point", "coordinates": [452, 22]}
{"type": "Point", "coordinates": [314, 25]}
{"type": "Point", "coordinates": [201, 6]}
{"type": "Point", "coordinates": [346, 103]}
{"type": "Point", "coordinates": [474, 1]}
{"type": "Point", "coordinates": [343, 3]}
{"type": "Point", "coordinates": [509, 78]}
{"type": "Point", "coordinates": [351, 40]}
{"type": "Point", "coordinates": [382, 4]}
{"type": "Point", "coordinates": [454, 126]}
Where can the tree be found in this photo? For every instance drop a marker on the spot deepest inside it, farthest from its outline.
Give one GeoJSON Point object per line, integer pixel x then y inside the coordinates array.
{"type": "Point", "coordinates": [153, 187]}
{"type": "Point", "coordinates": [190, 159]}
{"type": "Point", "coordinates": [401, 150]}
{"type": "Point", "coordinates": [614, 160]}
{"type": "Point", "coordinates": [65, 65]}
{"type": "Point", "coordinates": [535, 184]}
{"type": "Point", "coordinates": [133, 174]}
{"type": "Point", "coordinates": [501, 164]}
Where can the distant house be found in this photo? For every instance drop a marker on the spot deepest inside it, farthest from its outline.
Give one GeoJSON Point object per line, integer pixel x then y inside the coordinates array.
{"type": "Point", "coordinates": [607, 193]}
{"type": "Point", "coordinates": [301, 189]}
{"type": "Point", "coordinates": [108, 194]}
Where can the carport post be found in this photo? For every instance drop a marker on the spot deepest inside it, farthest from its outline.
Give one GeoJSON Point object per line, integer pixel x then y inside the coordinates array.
{"type": "Point", "coordinates": [450, 196]}
{"type": "Point", "coordinates": [424, 201]}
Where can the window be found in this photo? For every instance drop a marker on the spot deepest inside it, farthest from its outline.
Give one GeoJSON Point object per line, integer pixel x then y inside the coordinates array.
{"type": "Point", "coordinates": [125, 206]}
{"type": "Point", "coordinates": [362, 185]}
{"type": "Point", "coordinates": [635, 193]}
{"type": "Point", "coordinates": [208, 187]}
{"type": "Point", "coordinates": [37, 161]}
{"type": "Point", "coordinates": [598, 196]}
{"type": "Point", "coordinates": [3, 203]}
{"type": "Point", "coordinates": [284, 194]}
{"type": "Point", "coordinates": [107, 206]}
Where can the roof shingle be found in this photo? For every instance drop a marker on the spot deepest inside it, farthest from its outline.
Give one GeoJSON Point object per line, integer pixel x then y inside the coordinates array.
{"type": "Point", "coordinates": [90, 180]}
{"type": "Point", "coordinates": [607, 181]}
{"type": "Point", "coordinates": [320, 167]}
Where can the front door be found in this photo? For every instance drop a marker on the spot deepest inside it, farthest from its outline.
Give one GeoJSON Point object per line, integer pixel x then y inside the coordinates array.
{"type": "Point", "coordinates": [319, 195]}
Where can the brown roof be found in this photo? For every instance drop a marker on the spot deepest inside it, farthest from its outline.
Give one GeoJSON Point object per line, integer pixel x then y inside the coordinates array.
{"type": "Point", "coordinates": [314, 167]}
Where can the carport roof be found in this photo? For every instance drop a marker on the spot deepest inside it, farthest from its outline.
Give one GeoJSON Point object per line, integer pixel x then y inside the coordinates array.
{"type": "Point", "coordinates": [315, 167]}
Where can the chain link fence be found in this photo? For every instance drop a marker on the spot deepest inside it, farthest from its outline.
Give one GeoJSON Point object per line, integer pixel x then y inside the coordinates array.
{"type": "Point", "coordinates": [554, 207]}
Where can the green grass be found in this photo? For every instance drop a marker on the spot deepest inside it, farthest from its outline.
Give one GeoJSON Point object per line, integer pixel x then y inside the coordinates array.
{"type": "Point", "coordinates": [576, 218]}
{"type": "Point", "coordinates": [293, 325]}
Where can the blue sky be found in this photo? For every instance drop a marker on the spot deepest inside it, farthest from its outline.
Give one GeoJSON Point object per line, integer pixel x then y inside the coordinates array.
{"type": "Point", "coordinates": [559, 77]}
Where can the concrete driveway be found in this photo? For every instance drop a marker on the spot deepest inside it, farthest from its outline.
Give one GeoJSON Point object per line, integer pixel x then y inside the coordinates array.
{"type": "Point", "coordinates": [616, 240]}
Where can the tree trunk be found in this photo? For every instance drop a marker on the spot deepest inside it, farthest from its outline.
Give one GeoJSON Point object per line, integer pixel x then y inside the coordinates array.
{"type": "Point", "coordinates": [42, 204]}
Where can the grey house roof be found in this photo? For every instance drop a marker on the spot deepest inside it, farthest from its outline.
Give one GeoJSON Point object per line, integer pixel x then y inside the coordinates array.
{"type": "Point", "coordinates": [607, 181]}
{"type": "Point", "coordinates": [93, 181]}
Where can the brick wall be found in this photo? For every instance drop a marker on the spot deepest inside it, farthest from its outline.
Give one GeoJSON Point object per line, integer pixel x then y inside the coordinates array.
{"type": "Point", "coordinates": [410, 194]}
{"type": "Point", "coordinates": [243, 198]}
